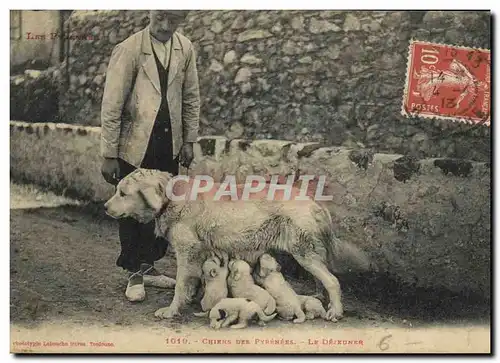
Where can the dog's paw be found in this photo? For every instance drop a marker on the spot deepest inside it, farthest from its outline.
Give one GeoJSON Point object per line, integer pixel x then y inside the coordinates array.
{"type": "Point", "coordinates": [166, 313]}
{"type": "Point", "coordinates": [311, 316]}
{"type": "Point", "coordinates": [334, 313]}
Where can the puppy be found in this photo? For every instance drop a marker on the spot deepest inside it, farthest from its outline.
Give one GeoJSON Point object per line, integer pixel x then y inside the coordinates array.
{"type": "Point", "coordinates": [269, 276]}
{"type": "Point", "coordinates": [312, 307]}
{"type": "Point", "coordinates": [241, 285]}
{"type": "Point", "coordinates": [214, 280]}
{"type": "Point", "coordinates": [229, 310]}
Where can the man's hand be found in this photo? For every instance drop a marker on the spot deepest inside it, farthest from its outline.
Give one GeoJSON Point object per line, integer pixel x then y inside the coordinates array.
{"type": "Point", "coordinates": [186, 154]}
{"type": "Point", "coordinates": [110, 170]}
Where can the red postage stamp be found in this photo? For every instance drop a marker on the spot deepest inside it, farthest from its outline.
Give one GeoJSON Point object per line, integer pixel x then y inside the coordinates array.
{"type": "Point", "coordinates": [448, 82]}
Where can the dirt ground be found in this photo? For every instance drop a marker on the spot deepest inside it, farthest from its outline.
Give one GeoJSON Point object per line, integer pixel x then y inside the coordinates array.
{"type": "Point", "coordinates": [63, 271]}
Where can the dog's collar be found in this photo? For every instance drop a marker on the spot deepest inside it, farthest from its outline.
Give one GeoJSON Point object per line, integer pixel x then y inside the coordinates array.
{"type": "Point", "coordinates": [162, 210]}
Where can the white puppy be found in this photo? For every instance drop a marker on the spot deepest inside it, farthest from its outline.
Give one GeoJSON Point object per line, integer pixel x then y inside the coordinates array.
{"type": "Point", "coordinates": [287, 301]}
{"type": "Point", "coordinates": [214, 280]}
{"type": "Point", "coordinates": [241, 285]}
{"type": "Point", "coordinates": [230, 310]}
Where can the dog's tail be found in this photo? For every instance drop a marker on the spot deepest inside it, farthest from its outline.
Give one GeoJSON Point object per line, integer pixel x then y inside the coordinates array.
{"type": "Point", "coordinates": [341, 256]}
{"type": "Point", "coordinates": [271, 306]}
{"type": "Point", "coordinates": [265, 318]}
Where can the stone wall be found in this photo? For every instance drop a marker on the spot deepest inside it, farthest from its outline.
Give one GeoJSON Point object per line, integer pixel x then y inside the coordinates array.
{"type": "Point", "coordinates": [34, 95]}
{"type": "Point", "coordinates": [335, 77]}
{"type": "Point", "coordinates": [424, 222]}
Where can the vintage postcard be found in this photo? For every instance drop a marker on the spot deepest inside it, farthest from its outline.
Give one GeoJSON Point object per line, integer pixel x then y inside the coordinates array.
{"type": "Point", "coordinates": [236, 181]}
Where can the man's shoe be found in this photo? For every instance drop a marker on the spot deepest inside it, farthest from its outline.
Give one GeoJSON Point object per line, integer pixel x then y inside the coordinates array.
{"type": "Point", "coordinates": [135, 288]}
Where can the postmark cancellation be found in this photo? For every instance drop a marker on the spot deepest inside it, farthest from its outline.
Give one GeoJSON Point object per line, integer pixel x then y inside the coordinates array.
{"type": "Point", "coordinates": [448, 82]}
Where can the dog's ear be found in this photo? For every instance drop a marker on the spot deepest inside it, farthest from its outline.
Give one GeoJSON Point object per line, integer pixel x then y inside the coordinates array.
{"type": "Point", "coordinates": [220, 258]}
{"type": "Point", "coordinates": [263, 272]}
{"type": "Point", "coordinates": [212, 257]}
{"type": "Point", "coordinates": [153, 198]}
{"type": "Point", "coordinates": [236, 274]}
{"type": "Point", "coordinates": [256, 266]}
{"type": "Point", "coordinates": [222, 314]}
{"type": "Point", "coordinates": [213, 272]}
{"type": "Point", "coordinates": [224, 259]}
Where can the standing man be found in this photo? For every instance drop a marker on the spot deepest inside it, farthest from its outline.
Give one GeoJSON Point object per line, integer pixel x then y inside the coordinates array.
{"type": "Point", "coordinates": [150, 116]}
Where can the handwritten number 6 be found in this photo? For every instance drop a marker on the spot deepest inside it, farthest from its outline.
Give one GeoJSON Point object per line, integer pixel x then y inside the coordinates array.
{"type": "Point", "coordinates": [382, 344]}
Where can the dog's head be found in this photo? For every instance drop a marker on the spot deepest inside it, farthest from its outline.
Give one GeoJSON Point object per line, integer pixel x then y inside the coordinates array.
{"type": "Point", "coordinates": [238, 268]}
{"type": "Point", "coordinates": [217, 317]}
{"type": "Point", "coordinates": [267, 264]}
{"type": "Point", "coordinates": [140, 195]}
{"type": "Point", "coordinates": [213, 267]}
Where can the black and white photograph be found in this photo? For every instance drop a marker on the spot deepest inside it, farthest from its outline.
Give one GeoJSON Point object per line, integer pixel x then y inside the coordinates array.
{"type": "Point", "coordinates": [250, 181]}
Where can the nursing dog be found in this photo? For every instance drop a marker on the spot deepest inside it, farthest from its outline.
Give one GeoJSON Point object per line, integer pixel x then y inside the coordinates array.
{"type": "Point", "coordinates": [197, 228]}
